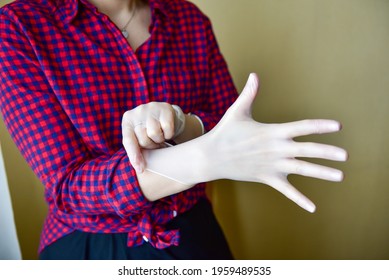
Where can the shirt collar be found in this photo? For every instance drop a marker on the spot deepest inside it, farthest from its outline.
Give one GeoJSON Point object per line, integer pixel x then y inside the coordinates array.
{"type": "Point", "coordinates": [67, 9]}
{"type": "Point", "coordinates": [162, 6]}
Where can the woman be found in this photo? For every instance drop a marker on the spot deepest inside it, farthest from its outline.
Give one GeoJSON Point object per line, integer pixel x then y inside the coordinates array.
{"type": "Point", "coordinates": [92, 93]}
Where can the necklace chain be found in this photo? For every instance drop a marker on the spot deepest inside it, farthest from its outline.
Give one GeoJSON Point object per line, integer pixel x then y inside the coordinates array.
{"type": "Point", "coordinates": [124, 29]}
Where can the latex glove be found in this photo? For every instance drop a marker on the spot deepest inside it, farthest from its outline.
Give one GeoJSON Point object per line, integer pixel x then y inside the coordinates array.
{"type": "Point", "coordinates": [239, 148]}
{"type": "Point", "coordinates": [246, 150]}
{"type": "Point", "coordinates": [148, 126]}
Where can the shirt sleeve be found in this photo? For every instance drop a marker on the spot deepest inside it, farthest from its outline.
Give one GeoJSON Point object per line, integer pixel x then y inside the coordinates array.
{"type": "Point", "coordinates": [220, 89]}
{"type": "Point", "coordinates": [76, 180]}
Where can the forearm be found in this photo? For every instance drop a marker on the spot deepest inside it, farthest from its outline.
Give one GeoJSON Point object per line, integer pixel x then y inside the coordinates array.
{"type": "Point", "coordinates": [174, 169]}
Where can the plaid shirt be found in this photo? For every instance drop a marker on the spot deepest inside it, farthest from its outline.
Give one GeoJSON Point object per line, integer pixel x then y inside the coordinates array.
{"type": "Point", "coordinates": [68, 75]}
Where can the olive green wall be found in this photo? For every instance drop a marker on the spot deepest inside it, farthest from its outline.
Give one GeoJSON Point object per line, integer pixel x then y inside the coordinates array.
{"type": "Point", "coordinates": [26, 192]}
{"type": "Point", "coordinates": [316, 59]}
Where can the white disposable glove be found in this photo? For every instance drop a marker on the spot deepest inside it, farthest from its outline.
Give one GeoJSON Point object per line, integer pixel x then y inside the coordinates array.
{"type": "Point", "coordinates": [239, 148]}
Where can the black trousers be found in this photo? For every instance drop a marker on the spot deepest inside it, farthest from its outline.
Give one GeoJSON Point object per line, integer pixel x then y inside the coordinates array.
{"type": "Point", "coordinates": [201, 239]}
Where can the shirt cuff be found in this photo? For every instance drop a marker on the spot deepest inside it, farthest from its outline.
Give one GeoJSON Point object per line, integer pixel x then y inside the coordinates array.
{"type": "Point", "coordinates": [123, 190]}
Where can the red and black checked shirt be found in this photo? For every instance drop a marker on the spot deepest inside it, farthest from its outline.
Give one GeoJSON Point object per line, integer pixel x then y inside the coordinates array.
{"type": "Point", "coordinates": [67, 77]}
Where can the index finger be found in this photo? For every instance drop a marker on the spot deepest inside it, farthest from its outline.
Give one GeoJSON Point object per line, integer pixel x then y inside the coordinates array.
{"type": "Point", "coordinates": [307, 127]}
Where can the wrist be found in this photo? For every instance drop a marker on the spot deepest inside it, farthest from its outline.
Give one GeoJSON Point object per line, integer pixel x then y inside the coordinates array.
{"type": "Point", "coordinates": [188, 163]}
{"type": "Point", "coordinates": [192, 130]}
{"type": "Point", "coordinates": [203, 161]}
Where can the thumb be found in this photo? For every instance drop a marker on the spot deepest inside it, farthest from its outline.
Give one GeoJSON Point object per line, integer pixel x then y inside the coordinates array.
{"type": "Point", "coordinates": [133, 150]}
{"type": "Point", "coordinates": [246, 99]}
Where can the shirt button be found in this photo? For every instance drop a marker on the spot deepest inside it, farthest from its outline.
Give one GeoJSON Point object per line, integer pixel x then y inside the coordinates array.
{"type": "Point", "coordinates": [145, 238]}
{"type": "Point", "coordinates": [174, 213]}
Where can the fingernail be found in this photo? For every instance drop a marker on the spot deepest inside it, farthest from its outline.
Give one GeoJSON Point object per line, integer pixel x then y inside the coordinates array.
{"type": "Point", "coordinates": [136, 167]}
{"type": "Point", "coordinates": [140, 166]}
{"type": "Point", "coordinates": [143, 166]}
{"type": "Point", "coordinates": [252, 79]}
{"type": "Point", "coordinates": [336, 126]}
{"type": "Point", "coordinates": [311, 207]}
{"type": "Point", "coordinates": [342, 156]}
{"type": "Point", "coordinates": [338, 176]}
